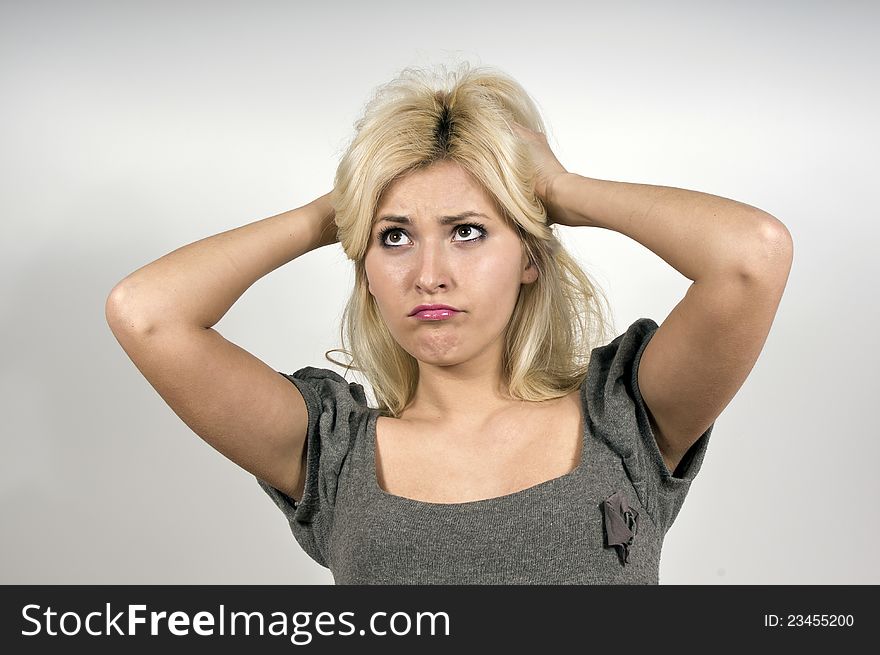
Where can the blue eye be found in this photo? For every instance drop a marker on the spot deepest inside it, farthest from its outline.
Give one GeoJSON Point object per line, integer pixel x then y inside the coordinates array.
{"type": "Point", "coordinates": [458, 227]}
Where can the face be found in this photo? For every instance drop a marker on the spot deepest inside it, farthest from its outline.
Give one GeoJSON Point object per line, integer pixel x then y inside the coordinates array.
{"type": "Point", "coordinates": [475, 263]}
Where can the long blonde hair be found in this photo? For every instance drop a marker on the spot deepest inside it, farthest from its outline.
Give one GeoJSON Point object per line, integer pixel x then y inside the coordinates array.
{"type": "Point", "coordinates": [424, 116]}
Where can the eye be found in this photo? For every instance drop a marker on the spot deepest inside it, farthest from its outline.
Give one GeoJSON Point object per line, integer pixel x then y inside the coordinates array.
{"type": "Point", "coordinates": [464, 228]}
{"type": "Point", "coordinates": [468, 228]}
{"type": "Point", "coordinates": [386, 231]}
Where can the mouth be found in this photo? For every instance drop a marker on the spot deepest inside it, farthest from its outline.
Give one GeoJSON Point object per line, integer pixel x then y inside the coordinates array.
{"type": "Point", "coordinates": [432, 307]}
{"type": "Point", "coordinates": [435, 314]}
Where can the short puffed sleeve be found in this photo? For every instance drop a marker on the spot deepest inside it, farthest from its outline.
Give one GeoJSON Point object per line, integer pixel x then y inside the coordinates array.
{"type": "Point", "coordinates": [619, 417]}
{"type": "Point", "coordinates": [337, 410]}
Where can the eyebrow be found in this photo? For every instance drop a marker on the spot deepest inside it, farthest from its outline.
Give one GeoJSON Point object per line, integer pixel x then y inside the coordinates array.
{"type": "Point", "coordinates": [443, 220]}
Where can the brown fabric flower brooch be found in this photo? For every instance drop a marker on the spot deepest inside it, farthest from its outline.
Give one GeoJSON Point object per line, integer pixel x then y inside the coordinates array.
{"type": "Point", "coordinates": [621, 524]}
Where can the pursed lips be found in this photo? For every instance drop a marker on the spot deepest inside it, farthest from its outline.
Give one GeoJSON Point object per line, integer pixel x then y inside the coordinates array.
{"type": "Point", "coordinates": [423, 308]}
{"type": "Point", "coordinates": [435, 314]}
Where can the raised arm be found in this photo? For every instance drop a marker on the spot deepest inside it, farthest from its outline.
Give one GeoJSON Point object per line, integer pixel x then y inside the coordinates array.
{"type": "Point", "coordinates": [163, 316]}
{"type": "Point", "coordinates": [738, 258]}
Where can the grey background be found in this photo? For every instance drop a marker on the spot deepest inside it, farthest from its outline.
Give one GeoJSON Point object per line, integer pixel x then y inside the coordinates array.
{"type": "Point", "coordinates": [130, 129]}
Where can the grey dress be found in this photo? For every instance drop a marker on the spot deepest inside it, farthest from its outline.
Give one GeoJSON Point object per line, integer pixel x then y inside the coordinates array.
{"type": "Point", "coordinates": [602, 523]}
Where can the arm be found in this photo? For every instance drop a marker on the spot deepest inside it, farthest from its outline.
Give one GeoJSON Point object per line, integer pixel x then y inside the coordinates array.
{"type": "Point", "coordinates": [695, 233]}
{"type": "Point", "coordinates": [197, 284]}
{"type": "Point", "coordinates": [738, 257]}
{"type": "Point", "coordinates": [162, 316]}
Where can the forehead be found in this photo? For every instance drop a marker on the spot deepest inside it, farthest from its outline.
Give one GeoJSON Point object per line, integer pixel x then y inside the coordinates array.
{"type": "Point", "coordinates": [443, 186]}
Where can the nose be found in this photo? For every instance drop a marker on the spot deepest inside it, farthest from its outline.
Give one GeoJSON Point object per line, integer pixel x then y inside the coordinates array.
{"type": "Point", "coordinates": [432, 268]}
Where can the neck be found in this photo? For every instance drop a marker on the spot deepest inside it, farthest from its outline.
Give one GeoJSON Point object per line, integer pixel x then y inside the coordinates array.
{"type": "Point", "coordinates": [464, 394]}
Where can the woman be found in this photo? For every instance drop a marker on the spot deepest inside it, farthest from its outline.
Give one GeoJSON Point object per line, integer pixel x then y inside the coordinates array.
{"type": "Point", "coordinates": [507, 446]}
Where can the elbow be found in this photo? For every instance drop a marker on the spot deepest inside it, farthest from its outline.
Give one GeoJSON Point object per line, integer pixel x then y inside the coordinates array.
{"type": "Point", "coordinates": [117, 310]}
{"type": "Point", "coordinates": [771, 255]}
{"type": "Point", "coordinates": [112, 306]}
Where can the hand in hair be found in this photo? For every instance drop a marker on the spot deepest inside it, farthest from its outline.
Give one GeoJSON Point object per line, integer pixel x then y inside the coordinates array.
{"type": "Point", "coordinates": [547, 167]}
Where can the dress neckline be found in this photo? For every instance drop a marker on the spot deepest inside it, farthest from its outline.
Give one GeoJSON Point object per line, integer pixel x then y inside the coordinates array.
{"type": "Point", "coordinates": [484, 502]}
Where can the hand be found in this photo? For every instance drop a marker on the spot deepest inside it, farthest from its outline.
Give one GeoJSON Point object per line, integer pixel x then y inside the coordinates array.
{"type": "Point", "coordinates": [547, 167]}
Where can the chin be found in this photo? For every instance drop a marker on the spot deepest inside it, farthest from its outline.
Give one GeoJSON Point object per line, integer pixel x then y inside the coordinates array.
{"type": "Point", "coordinates": [436, 357]}
{"type": "Point", "coordinates": [439, 361]}
{"type": "Point", "coordinates": [439, 357]}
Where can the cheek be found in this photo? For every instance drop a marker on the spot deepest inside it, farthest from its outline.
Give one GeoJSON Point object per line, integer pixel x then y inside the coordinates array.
{"type": "Point", "coordinates": [376, 275]}
{"type": "Point", "coordinates": [497, 275]}
{"type": "Point", "coordinates": [387, 275]}
{"type": "Point", "coordinates": [383, 285]}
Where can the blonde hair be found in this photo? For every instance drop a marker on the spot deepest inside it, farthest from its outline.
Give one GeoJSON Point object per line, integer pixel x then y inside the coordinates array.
{"type": "Point", "coordinates": [465, 115]}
